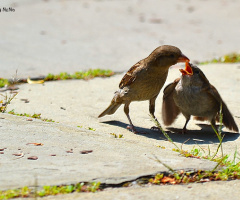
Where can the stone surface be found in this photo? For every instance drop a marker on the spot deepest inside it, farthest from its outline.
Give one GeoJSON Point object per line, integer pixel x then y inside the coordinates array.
{"type": "Point", "coordinates": [111, 161]}
{"type": "Point", "coordinates": [211, 191]}
{"type": "Point", "coordinates": [51, 36]}
{"type": "Point", "coordinates": [75, 105]}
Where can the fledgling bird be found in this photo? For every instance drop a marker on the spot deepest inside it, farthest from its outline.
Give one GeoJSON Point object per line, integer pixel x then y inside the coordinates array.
{"type": "Point", "coordinates": [144, 80]}
{"type": "Point", "coordinates": [192, 94]}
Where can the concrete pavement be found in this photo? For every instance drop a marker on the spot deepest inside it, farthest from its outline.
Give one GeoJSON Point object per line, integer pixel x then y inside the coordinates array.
{"type": "Point", "coordinates": [75, 105]}
{"type": "Point", "coordinates": [51, 36]}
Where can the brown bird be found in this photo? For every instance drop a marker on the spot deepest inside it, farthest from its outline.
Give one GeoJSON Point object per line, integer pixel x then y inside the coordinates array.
{"type": "Point", "coordinates": [144, 80]}
{"type": "Point", "coordinates": [192, 94]}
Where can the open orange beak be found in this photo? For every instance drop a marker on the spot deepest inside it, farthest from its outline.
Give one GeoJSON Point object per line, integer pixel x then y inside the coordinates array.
{"type": "Point", "coordinates": [188, 69]}
{"type": "Point", "coordinates": [183, 58]}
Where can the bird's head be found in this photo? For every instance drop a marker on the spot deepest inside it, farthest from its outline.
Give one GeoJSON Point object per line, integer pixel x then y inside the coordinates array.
{"type": "Point", "coordinates": [192, 74]}
{"type": "Point", "coordinates": [167, 56]}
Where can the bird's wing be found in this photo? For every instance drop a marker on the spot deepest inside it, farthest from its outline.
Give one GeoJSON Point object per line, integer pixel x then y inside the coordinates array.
{"type": "Point", "coordinates": [170, 111]}
{"type": "Point", "coordinates": [228, 120]}
{"type": "Point", "coordinates": [131, 75]}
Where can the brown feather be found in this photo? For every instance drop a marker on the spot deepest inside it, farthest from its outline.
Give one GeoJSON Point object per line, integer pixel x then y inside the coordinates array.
{"type": "Point", "coordinates": [169, 109]}
{"type": "Point", "coordinates": [130, 76]}
{"type": "Point", "coordinates": [228, 119]}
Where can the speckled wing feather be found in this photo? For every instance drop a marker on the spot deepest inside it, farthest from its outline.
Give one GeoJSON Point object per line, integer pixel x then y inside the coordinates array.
{"type": "Point", "coordinates": [228, 120]}
{"type": "Point", "coordinates": [131, 75]}
{"type": "Point", "coordinates": [170, 111]}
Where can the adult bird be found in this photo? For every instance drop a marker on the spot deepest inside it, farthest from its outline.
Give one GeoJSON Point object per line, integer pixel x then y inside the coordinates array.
{"type": "Point", "coordinates": [193, 95]}
{"type": "Point", "coordinates": [144, 80]}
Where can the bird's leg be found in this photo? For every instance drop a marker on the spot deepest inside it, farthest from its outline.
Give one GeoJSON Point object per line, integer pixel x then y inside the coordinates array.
{"type": "Point", "coordinates": [184, 130]}
{"type": "Point", "coordinates": [126, 110]}
{"type": "Point", "coordinates": [152, 111]}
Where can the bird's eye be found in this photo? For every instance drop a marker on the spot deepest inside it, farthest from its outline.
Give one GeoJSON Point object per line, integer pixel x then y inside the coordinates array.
{"type": "Point", "coordinates": [196, 72]}
{"type": "Point", "coordinates": [171, 56]}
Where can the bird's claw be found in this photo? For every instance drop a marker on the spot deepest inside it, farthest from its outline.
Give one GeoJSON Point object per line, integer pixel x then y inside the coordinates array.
{"type": "Point", "coordinates": [133, 129]}
{"type": "Point", "coordinates": [184, 131]}
{"type": "Point", "coordinates": [155, 128]}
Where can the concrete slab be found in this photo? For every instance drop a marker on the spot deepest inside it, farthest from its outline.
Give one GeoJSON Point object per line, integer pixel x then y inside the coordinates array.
{"type": "Point", "coordinates": [60, 160]}
{"type": "Point", "coordinates": [51, 36]}
{"type": "Point", "coordinates": [78, 103]}
{"type": "Point", "coordinates": [211, 191]}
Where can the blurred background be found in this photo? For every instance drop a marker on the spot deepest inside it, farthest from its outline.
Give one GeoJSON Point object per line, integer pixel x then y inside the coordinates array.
{"type": "Point", "coordinates": [38, 37]}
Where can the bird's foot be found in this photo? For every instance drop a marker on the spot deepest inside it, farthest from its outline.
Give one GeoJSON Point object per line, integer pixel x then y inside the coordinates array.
{"type": "Point", "coordinates": [157, 129]}
{"type": "Point", "coordinates": [184, 131]}
{"type": "Point", "coordinates": [133, 129]}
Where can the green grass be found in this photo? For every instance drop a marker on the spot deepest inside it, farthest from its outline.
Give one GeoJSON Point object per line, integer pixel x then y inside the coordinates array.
{"type": "Point", "coordinates": [86, 75]}
{"type": "Point", "coordinates": [35, 116]}
{"type": "Point", "coordinates": [3, 82]}
{"type": "Point", "coordinates": [117, 135]}
{"type": "Point", "coordinates": [6, 100]}
{"type": "Point", "coordinates": [50, 190]}
{"type": "Point", "coordinates": [228, 58]}
{"type": "Point", "coordinates": [230, 171]}
{"type": "Point", "coordinates": [225, 169]}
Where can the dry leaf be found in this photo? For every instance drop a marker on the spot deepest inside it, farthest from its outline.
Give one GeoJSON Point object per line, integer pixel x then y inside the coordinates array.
{"type": "Point", "coordinates": [17, 154]}
{"type": "Point", "coordinates": [70, 151]}
{"type": "Point", "coordinates": [36, 144]}
{"type": "Point", "coordinates": [33, 158]}
{"type": "Point", "coordinates": [168, 180]}
{"type": "Point", "coordinates": [86, 151]}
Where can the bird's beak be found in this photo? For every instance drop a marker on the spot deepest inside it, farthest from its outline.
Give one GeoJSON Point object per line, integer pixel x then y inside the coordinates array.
{"type": "Point", "coordinates": [188, 69]}
{"type": "Point", "coordinates": [183, 58]}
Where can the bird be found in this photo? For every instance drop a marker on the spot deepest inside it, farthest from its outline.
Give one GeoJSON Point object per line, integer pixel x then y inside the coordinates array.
{"type": "Point", "coordinates": [193, 95]}
{"type": "Point", "coordinates": [144, 80]}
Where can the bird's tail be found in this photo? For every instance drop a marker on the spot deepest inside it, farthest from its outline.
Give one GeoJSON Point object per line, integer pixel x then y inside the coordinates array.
{"type": "Point", "coordinates": [114, 105]}
{"type": "Point", "coordinates": [228, 120]}
{"type": "Point", "coordinates": [170, 111]}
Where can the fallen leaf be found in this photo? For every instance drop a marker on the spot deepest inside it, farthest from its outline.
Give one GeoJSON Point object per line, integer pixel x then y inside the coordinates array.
{"type": "Point", "coordinates": [33, 158]}
{"type": "Point", "coordinates": [29, 119]}
{"type": "Point", "coordinates": [36, 144]}
{"type": "Point", "coordinates": [1, 152]}
{"type": "Point", "coordinates": [17, 154]}
{"type": "Point", "coordinates": [53, 155]}
{"type": "Point", "coordinates": [70, 151]}
{"type": "Point", "coordinates": [168, 180]}
{"type": "Point", "coordinates": [86, 151]}
{"type": "Point", "coordinates": [2, 149]}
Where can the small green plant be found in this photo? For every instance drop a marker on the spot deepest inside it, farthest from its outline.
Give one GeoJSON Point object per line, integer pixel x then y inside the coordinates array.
{"type": "Point", "coordinates": [91, 129]}
{"type": "Point", "coordinates": [162, 147]}
{"type": "Point", "coordinates": [6, 101]}
{"type": "Point", "coordinates": [50, 190]}
{"type": "Point", "coordinates": [9, 194]}
{"type": "Point", "coordinates": [3, 82]}
{"type": "Point", "coordinates": [117, 136]}
{"type": "Point", "coordinates": [228, 58]}
{"type": "Point", "coordinates": [92, 73]}
{"type": "Point", "coordinates": [35, 116]}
